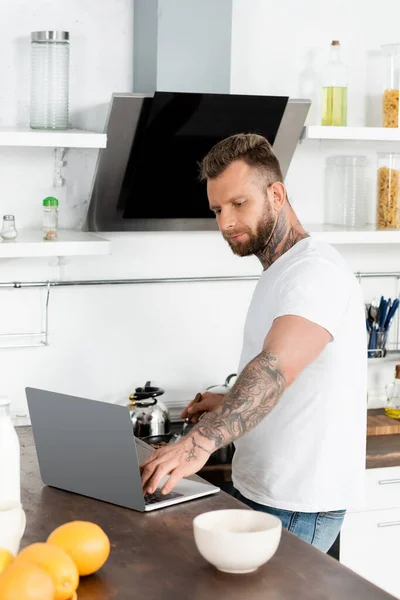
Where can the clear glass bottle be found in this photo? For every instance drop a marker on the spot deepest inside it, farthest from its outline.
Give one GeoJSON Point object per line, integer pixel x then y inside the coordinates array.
{"type": "Point", "coordinates": [392, 408]}
{"type": "Point", "coordinates": [334, 89]}
{"type": "Point", "coordinates": [8, 231]}
{"type": "Point", "coordinates": [50, 218]}
{"type": "Point", "coordinates": [390, 100]}
{"type": "Point", "coordinates": [10, 487]}
{"type": "Point", "coordinates": [345, 191]}
{"type": "Point", "coordinates": [388, 188]}
{"type": "Point", "coordinates": [49, 79]}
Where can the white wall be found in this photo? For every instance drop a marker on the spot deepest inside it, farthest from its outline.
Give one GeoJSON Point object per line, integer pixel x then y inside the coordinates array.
{"type": "Point", "coordinates": [104, 341]}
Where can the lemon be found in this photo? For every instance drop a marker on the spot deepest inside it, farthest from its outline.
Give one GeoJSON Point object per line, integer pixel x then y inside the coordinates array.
{"type": "Point", "coordinates": [6, 558]}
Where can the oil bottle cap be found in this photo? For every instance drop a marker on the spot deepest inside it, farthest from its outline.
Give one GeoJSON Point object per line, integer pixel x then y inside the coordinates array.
{"type": "Point", "coordinates": [335, 43]}
{"type": "Point", "coordinates": [397, 371]}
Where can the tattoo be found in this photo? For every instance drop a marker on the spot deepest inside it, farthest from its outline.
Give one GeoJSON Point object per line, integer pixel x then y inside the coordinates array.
{"type": "Point", "coordinates": [191, 454]}
{"type": "Point", "coordinates": [255, 393]}
{"type": "Point", "coordinates": [284, 237]}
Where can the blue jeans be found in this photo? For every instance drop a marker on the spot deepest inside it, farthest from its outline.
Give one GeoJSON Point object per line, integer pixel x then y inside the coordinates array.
{"type": "Point", "coordinates": [318, 529]}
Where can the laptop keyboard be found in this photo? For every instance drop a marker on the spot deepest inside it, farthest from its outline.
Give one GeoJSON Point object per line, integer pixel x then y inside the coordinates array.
{"type": "Point", "coordinates": [159, 497]}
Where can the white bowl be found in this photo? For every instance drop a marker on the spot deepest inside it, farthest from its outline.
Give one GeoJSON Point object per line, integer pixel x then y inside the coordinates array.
{"type": "Point", "coordinates": [237, 541]}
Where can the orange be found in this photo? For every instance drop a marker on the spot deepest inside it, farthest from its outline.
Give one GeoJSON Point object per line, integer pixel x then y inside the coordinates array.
{"type": "Point", "coordinates": [24, 581]}
{"type": "Point", "coordinates": [57, 564]}
{"type": "Point", "coordinates": [85, 542]}
{"type": "Point", "coordinates": [6, 558]}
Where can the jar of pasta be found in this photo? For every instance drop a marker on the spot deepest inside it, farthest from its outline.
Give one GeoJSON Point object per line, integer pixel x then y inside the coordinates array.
{"type": "Point", "coordinates": [388, 200]}
{"type": "Point", "coordinates": [390, 104]}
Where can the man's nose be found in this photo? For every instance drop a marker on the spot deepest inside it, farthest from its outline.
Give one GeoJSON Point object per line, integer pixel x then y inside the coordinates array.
{"type": "Point", "coordinates": [226, 220]}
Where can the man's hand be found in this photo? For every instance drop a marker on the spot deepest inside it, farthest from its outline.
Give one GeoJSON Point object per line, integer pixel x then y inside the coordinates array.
{"type": "Point", "coordinates": [209, 402]}
{"type": "Point", "coordinates": [179, 460]}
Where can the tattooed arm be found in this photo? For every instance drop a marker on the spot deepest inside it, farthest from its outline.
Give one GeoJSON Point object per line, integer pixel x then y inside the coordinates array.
{"type": "Point", "coordinates": [292, 344]}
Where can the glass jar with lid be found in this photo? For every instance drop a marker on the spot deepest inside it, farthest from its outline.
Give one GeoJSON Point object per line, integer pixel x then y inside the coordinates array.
{"type": "Point", "coordinates": [9, 231]}
{"type": "Point", "coordinates": [390, 101]}
{"type": "Point", "coordinates": [50, 218]}
{"type": "Point", "coordinates": [388, 191]}
{"type": "Point", "coordinates": [345, 191]}
{"type": "Point", "coordinates": [49, 79]}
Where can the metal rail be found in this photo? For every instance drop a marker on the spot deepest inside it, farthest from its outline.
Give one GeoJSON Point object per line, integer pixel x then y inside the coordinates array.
{"type": "Point", "coordinates": [44, 335]}
{"type": "Point", "coordinates": [153, 280]}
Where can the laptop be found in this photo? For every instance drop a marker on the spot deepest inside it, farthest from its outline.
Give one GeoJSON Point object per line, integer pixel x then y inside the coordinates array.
{"type": "Point", "coordinates": [88, 447]}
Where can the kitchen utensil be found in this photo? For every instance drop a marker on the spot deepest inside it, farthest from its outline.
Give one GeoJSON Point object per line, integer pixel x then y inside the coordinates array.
{"type": "Point", "coordinates": [237, 540]}
{"type": "Point", "coordinates": [177, 436]}
{"type": "Point", "coordinates": [222, 389]}
{"type": "Point", "coordinates": [379, 316]}
{"type": "Point", "coordinates": [148, 413]}
{"type": "Point", "coordinates": [158, 441]}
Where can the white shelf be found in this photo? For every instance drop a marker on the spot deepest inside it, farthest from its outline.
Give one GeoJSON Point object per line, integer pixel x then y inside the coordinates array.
{"type": "Point", "coordinates": [68, 138]}
{"type": "Point", "coordinates": [335, 234]}
{"type": "Point", "coordinates": [69, 243]}
{"type": "Point", "coordinates": [371, 134]}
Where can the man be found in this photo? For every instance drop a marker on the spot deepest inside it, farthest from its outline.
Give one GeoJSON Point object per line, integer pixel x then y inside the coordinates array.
{"type": "Point", "coordinates": [297, 412]}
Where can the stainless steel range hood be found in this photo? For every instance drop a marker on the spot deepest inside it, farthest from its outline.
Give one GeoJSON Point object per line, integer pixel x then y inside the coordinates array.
{"type": "Point", "coordinates": [146, 177]}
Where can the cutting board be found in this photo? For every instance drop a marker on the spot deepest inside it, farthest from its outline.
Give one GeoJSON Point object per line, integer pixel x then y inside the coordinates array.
{"type": "Point", "coordinates": [379, 424]}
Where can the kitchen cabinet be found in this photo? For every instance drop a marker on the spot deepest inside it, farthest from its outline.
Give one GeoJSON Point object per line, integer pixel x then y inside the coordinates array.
{"type": "Point", "coordinates": [370, 535]}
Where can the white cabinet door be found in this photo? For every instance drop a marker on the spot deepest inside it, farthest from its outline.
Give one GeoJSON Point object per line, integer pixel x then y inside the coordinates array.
{"type": "Point", "coordinates": [369, 545]}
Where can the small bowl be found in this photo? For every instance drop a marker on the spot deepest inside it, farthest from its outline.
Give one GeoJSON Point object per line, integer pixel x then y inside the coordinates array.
{"type": "Point", "coordinates": [237, 540]}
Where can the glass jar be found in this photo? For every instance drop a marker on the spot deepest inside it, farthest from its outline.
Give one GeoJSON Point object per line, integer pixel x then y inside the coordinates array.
{"type": "Point", "coordinates": [390, 101]}
{"type": "Point", "coordinates": [334, 89]}
{"type": "Point", "coordinates": [9, 231]}
{"type": "Point", "coordinates": [49, 79]}
{"type": "Point", "coordinates": [388, 199]}
{"type": "Point", "coordinates": [50, 218]}
{"type": "Point", "coordinates": [345, 191]}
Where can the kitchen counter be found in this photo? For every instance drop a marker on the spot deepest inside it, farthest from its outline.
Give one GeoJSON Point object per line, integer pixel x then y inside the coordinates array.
{"type": "Point", "coordinates": [154, 556]}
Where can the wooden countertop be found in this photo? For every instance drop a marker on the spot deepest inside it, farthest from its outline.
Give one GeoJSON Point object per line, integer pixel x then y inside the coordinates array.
{"type": "Point", "coordinates": [154, 556]}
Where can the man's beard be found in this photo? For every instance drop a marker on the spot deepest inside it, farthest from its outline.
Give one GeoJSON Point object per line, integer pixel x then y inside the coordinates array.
{"type": "Point", "coordinates": [257, 241]}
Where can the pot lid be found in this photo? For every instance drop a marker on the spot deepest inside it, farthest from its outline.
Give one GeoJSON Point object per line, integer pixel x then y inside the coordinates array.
{"type": "Point", "coordinates": [147, 391]}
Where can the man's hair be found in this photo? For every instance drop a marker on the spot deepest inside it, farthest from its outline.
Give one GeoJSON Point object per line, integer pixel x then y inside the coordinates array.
{"type": "Point", "coordinates": [253, 149]}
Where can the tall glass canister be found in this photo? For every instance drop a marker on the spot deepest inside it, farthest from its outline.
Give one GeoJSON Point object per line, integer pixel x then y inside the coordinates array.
{"type": "Point", "coordinates": [345, 191]}
{"type": "Point", "coordinates": [390, 100]}
{"type": "Point", "coordinates": [388, 191]}
{"type": "Point", "coordinates": [49, 79]}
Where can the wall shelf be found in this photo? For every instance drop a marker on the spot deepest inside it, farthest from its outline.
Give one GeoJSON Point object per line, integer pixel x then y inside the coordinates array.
{"type": "Point", "coordinates": [366, 134]}
{"type": "Point", "coordinates": [30, 243]}
{"type": "Point", "coordinates": [68, 138]}
{"type": "Point", "coordinates": [335, 234]}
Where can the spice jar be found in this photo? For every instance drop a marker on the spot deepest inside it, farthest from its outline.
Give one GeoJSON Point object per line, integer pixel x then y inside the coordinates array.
{"type": "Point", "coordinates": [388, 200]}
{"type": "Point", "coordinates": [50, 218]}
{"type": "Point", "coordinates": [390, 103]}
{"type": "Point", "coordinates": [9, 231]}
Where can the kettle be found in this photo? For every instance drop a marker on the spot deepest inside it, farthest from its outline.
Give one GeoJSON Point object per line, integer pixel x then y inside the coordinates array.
{"type": "Point", "coordinates": [222, 389]}
{"type": "Point", "coordinates": [148, 414]}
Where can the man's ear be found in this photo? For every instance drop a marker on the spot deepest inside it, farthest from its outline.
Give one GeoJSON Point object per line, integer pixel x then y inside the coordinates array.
{"type": "Point", "coordinates": [279, 194]}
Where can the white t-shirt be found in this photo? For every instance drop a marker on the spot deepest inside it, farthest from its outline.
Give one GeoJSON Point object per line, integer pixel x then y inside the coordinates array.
{"type": "Point", "coordinates": [308, 454]}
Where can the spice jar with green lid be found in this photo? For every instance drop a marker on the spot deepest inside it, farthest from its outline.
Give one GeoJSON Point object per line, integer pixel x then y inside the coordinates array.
{"type": "Point", "coordinates": [50, 218]}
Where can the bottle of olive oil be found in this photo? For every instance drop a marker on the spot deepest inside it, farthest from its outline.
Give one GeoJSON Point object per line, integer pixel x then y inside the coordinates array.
{"type": "Point", "coordinates": [334, 89]}
{"type": "Point", "coordinates": [392, 408]}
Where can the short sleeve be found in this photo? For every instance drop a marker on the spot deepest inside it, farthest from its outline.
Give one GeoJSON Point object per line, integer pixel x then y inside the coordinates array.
{"type": "Point", "coordinates": [318, 291]}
